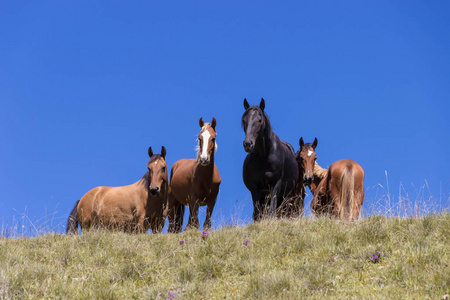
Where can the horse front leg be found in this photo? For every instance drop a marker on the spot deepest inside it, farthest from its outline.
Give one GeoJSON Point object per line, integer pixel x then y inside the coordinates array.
{"type": "Point", "coordinates": [297, 202]}
{"type": "Point", "coordinates": [257, 204]}
{"type": "Point", "coordinates": [274, 195]}
{"type": "Point", "coordinates": [157, 224]}
{"type": "Point", "coordinates": [193, 222]}
{"type": "Point", "coordinates": [175, 214]}
{"type": "Point", "coordinates": [210, 207]}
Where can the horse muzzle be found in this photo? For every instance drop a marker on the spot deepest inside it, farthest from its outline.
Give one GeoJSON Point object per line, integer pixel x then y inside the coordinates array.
{"type": "Point", "coordinates": [204, 161]}
{"type": "Point", "coordinates": [307, 180]}
{"type": "Point", "coordinates": [154, 191]}
{"type": "Point", "coordinates": [249, 146]}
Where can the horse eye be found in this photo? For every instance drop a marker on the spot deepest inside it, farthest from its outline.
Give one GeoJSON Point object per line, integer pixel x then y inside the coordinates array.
{"type": "Point", "coordinates": [163, 169]}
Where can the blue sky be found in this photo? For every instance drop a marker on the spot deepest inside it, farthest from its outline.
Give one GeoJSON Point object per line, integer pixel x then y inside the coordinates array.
{"type": "Point", "coordinates": [87, 86]}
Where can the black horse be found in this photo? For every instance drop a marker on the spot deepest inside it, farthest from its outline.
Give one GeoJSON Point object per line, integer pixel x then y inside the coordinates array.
{"type": "Point", "coordinates": [270, 169]}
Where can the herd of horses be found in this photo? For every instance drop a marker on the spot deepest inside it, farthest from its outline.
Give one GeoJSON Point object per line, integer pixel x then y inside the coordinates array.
{"type": "Point", "coordinates": [273, 172]}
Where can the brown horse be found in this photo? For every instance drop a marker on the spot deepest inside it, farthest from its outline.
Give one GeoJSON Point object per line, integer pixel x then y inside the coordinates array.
{"type": "Point", "coordinates": [195, 182]}
{"type": "Point", "coordinates": [305, 165]}
{"type": "Point", "coordinates": [338, 191]}
{"type": "Point", "coordinates": [133, 208]}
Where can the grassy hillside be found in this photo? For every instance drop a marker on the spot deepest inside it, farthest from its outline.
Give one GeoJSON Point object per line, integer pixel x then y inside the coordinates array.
{"type": "Point", "coordinates": [281, 259]}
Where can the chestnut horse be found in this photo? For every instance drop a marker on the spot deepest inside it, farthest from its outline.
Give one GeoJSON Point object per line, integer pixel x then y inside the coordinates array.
{"type": "Point", "coordinates": [269, 170]}
{"type": "Point", "coordinates": [133, 208]}
{"type": "Point", "coordinates": [338, 191]}
{"type": "Point", "coordinates": [195, 182]}
{"type": "Point", "coordinates": [305, 174]}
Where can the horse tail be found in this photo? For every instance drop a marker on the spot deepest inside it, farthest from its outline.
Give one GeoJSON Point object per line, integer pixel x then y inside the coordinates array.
{"type": "Point", "coordinates": [347, 193]}
{"type": "Point", "coordinates": [72, 222]}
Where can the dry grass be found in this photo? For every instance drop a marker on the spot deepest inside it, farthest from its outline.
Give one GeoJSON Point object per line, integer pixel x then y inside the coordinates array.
{"type": "Point", "coordinates": [303, 258]}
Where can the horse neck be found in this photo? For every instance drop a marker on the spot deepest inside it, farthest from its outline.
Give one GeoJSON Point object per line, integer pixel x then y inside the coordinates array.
{"type": "Point", "coordinates": [264, 142]}
{"type": "Point", "coordinates": [142, 185]}
{"type": "Point", "coordinates": [319, 174]}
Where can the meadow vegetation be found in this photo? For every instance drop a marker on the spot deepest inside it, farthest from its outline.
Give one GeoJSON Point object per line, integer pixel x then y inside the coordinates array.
{"type": "Point", "coordinates": [373, 258]}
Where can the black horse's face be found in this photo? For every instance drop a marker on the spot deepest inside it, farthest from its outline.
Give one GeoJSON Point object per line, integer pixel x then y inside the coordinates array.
{"type": "Point", "coordinates": [253, 123]}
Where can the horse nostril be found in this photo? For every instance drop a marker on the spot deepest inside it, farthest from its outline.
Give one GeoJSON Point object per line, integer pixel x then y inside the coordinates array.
{"type": "Point", "coordinates": [248, 144]}
{"type": "Point", "coordinates": [307, 180]}
{"type": "Point", "coordinates": [154, 191]}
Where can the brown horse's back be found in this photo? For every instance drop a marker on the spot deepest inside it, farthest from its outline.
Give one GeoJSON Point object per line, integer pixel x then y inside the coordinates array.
{"type": "Point", "coordinates": [346, 188]}
{"type": "Point", "coordinates": [111, 207]}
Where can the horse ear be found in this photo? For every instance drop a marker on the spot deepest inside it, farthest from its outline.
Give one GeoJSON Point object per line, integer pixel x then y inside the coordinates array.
{"type": "Point", "coordinates": [163, 152]}
{"type": "Point", "coordinates": [201, 123]}
{"type": "Point", "coordinates": [301, 143]}
{"type": "Point", "coordinates": [246, 105]}
{"type": "Point", "coordinates": [150, 152]}
{"type": "Point", "coordinates": [213, 123]}
{"type": "Point", "coordinates": [314, 144]}
{"type": "Point", "coordinates": [262, 104]}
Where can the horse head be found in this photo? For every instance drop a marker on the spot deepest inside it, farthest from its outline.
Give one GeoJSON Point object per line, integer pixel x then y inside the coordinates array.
{"type": "Point", "coordinates": [157, 171]}
{"type": "Point", "coordinates": [206, 141]}
{"type": "Point", "coordinates": [254, 122]}
{"type": "Point", "coordinates": [306, 159]}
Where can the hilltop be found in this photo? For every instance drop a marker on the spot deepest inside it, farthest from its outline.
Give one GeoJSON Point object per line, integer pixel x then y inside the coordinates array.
{"type": "Point", "coordinates": [305, 258]}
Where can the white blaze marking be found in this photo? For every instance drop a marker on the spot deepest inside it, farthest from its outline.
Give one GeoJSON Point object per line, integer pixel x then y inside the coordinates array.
{"type": "Point", "coordinates": [156, 162]}
{"type": "Point", "coordinates": [310, 152]}
{"type": "Point", "coordinates": [206, 136]}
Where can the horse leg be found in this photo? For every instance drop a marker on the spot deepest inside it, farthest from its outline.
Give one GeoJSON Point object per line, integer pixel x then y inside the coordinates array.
{"type": "Point", "coordinates": [274, 195]}
{"type": "Point", "coordinates": [301, 202]}
{"type": "Point", "coordinates": [257, 208]}
{"type": "Point", "coordinates": [209, 210]}
{"type": "Point", "coordinates": [160, 222]}
{"type": "Point", "coordinates": [193, 214]}
{"type": "Point", "coordinates": [156, 225]}
{"type": "Point", "coordinates": [175, 214]}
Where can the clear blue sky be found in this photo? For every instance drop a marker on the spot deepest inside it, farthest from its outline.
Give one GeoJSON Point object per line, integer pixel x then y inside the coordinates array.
{"type": "Point", "coordinates": [87, 86]}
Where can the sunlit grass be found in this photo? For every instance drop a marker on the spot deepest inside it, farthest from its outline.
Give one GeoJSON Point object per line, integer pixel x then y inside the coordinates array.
{"type": "Point", "coordinates": [398, 249]}
{"type": "Point", "coordinates": [282, 259]}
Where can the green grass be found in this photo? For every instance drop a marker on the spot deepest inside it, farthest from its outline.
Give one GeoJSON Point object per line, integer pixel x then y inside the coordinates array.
{"type": "Point", "coordinates": [306, 258]}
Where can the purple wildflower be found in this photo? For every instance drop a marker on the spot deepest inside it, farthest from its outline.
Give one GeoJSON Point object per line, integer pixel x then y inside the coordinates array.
{"type": "Point", "coordinates": [376, 257]}
{"type": "Point", "coordinates": [171, 295]}
{"type": "Point", "coordinates": [204, 235]}
{"type": "Point", "coordinates": [245, 243]}
{"type": "Point", "coordinates": [181, 242]}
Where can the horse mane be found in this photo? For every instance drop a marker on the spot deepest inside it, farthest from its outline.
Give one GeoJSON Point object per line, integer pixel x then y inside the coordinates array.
{"type": "Point", "coordinates": [319, 171]}
{"type": "Point", "coordinates": [145, 180]}
{"type": "Point", "coordinates": [197, 147]}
